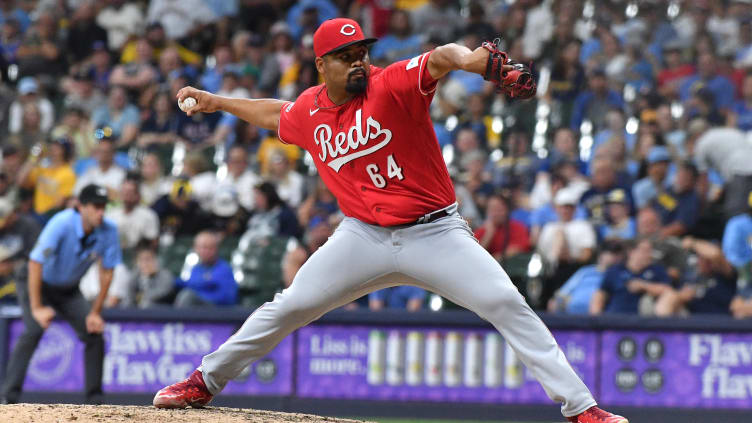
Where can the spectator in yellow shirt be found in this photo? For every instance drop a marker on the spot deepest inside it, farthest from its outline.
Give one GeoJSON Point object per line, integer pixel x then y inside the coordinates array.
{"type": "Point", "coordinates": [155, 35]}
{"type": "Point", "coordinates": [51, 177]}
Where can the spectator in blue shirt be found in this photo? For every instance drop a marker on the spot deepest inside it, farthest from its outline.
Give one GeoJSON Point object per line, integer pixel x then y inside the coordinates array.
{"type": "Point", "coordinates": [648, 188]}
{"type": "Point", "coordinates": [403, 297]}
{"type": "Point", "coordinates": [308, 15]}
{"type": "Point", "coordinates": [707, 77]}
{"type": "Point", "coordinates": [620, 226]}
{"type": "Point", "coordinates": [210, 281]}
{"type": "Point", "coordinates": [564, 150]}
{"type": "Point", "coordinates": [547, 212]}
{"type": "Point", "coordinates": [594, 103]}
{"type": "Point", "coordinates": [119, 115]}
{"type": "Point", "coordinates": [679, 206]}
{"type": "Point", "coordinates": [400, 43]}
{"type": "Point", "coordinates": [211, 79]}
{"type": "Point", "coordinates": [711, 285]}
{"type": "Point", "coordinates": [737, 240]}
{"type": "Point", "coordinates": [625, 284]}
{"type": "Point", "coordinates": [519, 165]}
{"type": "Point", "coordinates": [8, 11]}
{"type": "Point", "coordinates": [737, 246]}
{"type": "Point", "coordinates": [603, 179]}
{"type": "Point", "coordinates": [69, 244]}
{"type": "Point", "coordinates": [574, 297]}
{"type": "Point", "coordinates": [701, 105]}
{"type": "Point", "coordinates": [741, 112]}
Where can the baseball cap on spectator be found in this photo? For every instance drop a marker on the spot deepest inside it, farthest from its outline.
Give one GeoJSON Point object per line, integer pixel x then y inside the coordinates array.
{"type": "Point", "coordinates": [279, 27]}
{"type": "Point", "coordinates": [93, 194]}
{"type": "Point", "coordinates": [336, 34]}
{"type": "Point", "coordinates": [225, 202]}
{"type": "Point", "coordinates": [27, 85]}
{"type": "Point", "coordinates": [98, 45]}
{"type": "Point", "coordinates": [617, 195]}
{"type": "Point", "coordinates": [566, 197]}
{"type": "Point", "coordinates": [658, 154]}
{"type": "Point", "coordinates": [181, 189]}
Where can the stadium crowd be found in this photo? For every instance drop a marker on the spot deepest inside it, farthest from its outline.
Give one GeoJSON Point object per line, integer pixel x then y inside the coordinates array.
{"type": "Point", "coordinates": [624, 187]}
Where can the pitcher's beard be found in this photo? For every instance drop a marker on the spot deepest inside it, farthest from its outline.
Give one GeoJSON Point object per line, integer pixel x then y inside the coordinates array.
{"type": "Point", "coordinates": [356, 85]}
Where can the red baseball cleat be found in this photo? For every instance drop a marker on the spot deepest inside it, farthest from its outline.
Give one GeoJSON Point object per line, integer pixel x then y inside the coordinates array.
{"type": "Point", "coordinates": [191, 392]}
{"type": "Point", "coordinates": [596, 415]}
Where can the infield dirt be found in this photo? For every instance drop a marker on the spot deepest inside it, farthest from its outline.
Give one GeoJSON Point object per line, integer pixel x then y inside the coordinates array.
{"type": "Point", "coordinates": [69, 413]}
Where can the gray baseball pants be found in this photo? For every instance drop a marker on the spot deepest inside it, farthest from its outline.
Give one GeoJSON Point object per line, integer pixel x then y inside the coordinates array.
{"type": "Point", "coordinates": [443, 257]}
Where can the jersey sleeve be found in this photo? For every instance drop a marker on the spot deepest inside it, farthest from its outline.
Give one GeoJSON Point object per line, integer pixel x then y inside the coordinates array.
{"type": "Point", "coordinates": [734, 244]}
{"type": "Point", "coordinates": [411, 83]}
{"type": "Point", "coordinates": [289, 124]}
{"type": "Point", "coordinates": [111, 254]}
{"type": "Point", "coordinates": [48, 239]}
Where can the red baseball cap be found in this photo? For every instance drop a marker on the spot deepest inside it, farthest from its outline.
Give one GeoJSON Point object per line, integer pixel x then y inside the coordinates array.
{"type": "Point", "coordinates": [336, 34]}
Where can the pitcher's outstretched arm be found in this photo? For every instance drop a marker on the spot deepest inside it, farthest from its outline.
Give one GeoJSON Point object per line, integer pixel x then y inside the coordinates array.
{"type": "Point", "coordinates": [263, 112]}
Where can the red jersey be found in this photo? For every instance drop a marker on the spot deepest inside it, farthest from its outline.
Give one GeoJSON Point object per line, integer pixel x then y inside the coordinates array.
{"type": "Point", "coordinates": [378, 152]}
{"type": "Point", "coordinates": [517, 237]}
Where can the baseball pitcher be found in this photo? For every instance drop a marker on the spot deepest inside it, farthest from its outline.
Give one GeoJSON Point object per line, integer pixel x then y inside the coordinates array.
{"type": "Point", "coordinates": [370, 134]}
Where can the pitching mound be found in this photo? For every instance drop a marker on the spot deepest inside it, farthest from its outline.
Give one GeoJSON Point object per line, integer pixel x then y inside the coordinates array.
{"type": "Point", "coordinates": [69, 413]}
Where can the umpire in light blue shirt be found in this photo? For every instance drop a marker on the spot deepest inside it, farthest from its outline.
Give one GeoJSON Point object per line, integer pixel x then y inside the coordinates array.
{"type": "Point", "coordinates": [72, 240]}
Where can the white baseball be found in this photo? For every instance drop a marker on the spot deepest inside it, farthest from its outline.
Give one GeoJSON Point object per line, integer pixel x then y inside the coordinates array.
{"type": "Point", "coordinates": [187, 104]}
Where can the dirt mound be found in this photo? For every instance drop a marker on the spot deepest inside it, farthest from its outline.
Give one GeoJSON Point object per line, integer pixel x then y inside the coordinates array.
{"type": "Point", "coordinates": [69, 413]}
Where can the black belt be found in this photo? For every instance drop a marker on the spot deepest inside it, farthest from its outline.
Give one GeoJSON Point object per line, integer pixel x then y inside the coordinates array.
{"type": "Point", "coordinates": [432, 217]}
{"type": "Point", "coordinates": [438, 214]}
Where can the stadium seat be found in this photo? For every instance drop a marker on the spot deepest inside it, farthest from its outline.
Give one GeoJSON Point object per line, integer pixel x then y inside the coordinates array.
{"type": "Point", "coordinates": [516, 268]}
{"type": "Point", "coordinates": [227, 246]}
{"type": "Point", "coordinates": [173, 257]}
{"type": "Point", "coordinates": [258, 269]}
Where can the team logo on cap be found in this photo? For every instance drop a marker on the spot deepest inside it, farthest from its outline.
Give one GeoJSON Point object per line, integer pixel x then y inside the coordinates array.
{"type": "Point", "coordinates": [347, 29]}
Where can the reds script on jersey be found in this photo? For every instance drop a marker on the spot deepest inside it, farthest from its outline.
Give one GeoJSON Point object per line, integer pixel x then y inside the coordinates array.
{"type": "Point", "coordinates": [377, 153]}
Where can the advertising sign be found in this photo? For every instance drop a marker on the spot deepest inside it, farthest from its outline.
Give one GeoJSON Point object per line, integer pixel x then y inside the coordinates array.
{"type": "Point", "coordinates": [676, 369]}
{"type": "Point", "coordinates": [145, 357]}
{"type": "Point", "coordinates": [428, 364]}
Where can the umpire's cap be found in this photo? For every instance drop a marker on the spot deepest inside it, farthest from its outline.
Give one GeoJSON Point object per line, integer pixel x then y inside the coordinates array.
{"type": "Point", "coordinates": [93, 194]}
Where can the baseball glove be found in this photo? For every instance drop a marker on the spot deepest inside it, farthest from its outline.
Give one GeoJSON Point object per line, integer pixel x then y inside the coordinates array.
{"type": "Point", "coordinates": [515, 83]}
